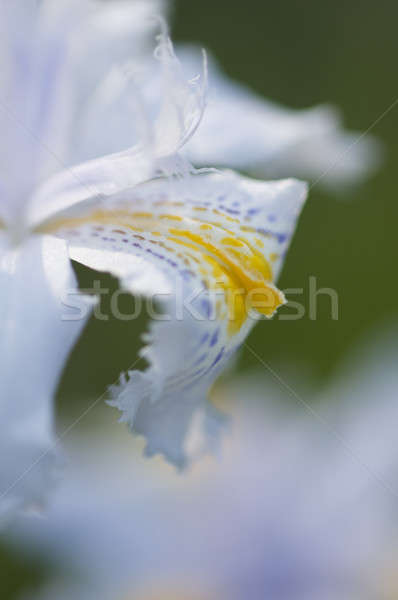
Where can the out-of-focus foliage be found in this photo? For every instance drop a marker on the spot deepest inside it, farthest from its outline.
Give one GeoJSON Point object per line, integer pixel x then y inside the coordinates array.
{"type": "Point", "coordinates": [18, 574]}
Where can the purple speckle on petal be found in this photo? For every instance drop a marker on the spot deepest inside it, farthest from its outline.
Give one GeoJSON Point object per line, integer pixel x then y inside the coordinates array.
{"type": "Point", "coordinates": [204, 338]}
{"type": "Point", "coordinates": [218, 357]}
{"type": "Point", "coordinates": [253, 211]}
{"type": "Point", "coordinates": [231, 211]}
{"type": "Point", "coordinates": [214, 338]}
{"type": "Point", "coordinates": [186, 274]}
{"type": "Point", "coordinates": [205, 304]}
{"type": "Point", "coordinates": [201, 359]}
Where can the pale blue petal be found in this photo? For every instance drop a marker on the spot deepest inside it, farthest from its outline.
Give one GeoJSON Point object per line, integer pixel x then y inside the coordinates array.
{"type": "Point", "coordinates": [36, 338]}
{"type": "Point", "coordinates": [278, 141]}
{"type": "Point", "coordinates": [241, 231]}
{"type": "Point", "coordinates": [55, 55]}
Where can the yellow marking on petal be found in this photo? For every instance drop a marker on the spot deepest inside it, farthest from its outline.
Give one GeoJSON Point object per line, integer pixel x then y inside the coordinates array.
{"type": "Point", "coordinates": [247, 228]}
{"type": "Point", "coordinates": [117, 217]}
{"type": "Point", "coordinates": [224, 216]}
{"type": "Point", "coordinates": [252, 262]}
{"type": "Point", "coordinates": [124, 217]}
{"type": "Point", "coordinates": [170, 217]}
{"type": "Point", "coordinates": [168, 203]}
{"type": "Point", "coordinates": [234, 295]}
{"type": "Point", "coordinates": [191, 256]}
{"type": "Point", "coordinates": [228, 241]}
{"type": "Point", "coordinates": [259, 242]}
{"type": "Point", "coordinates": [268, 298]}
{"type": "Point", "coordinates": [141, 215]}
{"type": "Point", "coordinates": [221, 226]}
{"type": "Point", "coordinates": [200, 208]}
{"type": "Point", "coordinates": [222, 280]}
{"type": "Point", "coordinates": [256, 263]}
{"type": "Point", "coordinates": [273, 256]}
{"type": "Point", "coordinates": [238, 269]}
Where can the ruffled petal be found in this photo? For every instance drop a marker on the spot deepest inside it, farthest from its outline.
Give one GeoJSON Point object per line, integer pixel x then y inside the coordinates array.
{"type": "Point", "coordinates": [108, 43]}
{"type": "Point", "coordinates": [172, 108]}
{"type": "Point", "coordinates": [56, 55]}
{"type": "Point", "coordinates": [36, 337]}
{"type": "Point", "coordinates": [278, 141]}
{"type": "Point", "coordinates": [208, 248]}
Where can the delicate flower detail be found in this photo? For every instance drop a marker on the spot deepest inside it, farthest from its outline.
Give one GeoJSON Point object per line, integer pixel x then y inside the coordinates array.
{"type": "Point", "coordinates": [219, 239]}
{"type": "Point", "coordinates": [309, 143]}
{"type": "Point", "coordinates": [137, 211]}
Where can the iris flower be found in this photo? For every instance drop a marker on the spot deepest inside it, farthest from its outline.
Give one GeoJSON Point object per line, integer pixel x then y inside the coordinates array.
{"type": "Point", "coordinates": [143, 214]}
{"type": "Point", "coordinates": [291, 511]}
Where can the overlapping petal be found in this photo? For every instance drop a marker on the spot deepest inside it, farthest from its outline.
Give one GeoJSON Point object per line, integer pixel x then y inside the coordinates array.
{"type": "Point", "coordinates": [110, 45]}
{"type": "Point", "coordinates": [208, 247]}
{"type": "Point", "coordinates": [56, 56]}
{"type": "Point", "coordinates": [309, 143]}
{"type": "Point", "coordinates": [172, 108]}
{"type": "Point", "coordinates": [36, 337]}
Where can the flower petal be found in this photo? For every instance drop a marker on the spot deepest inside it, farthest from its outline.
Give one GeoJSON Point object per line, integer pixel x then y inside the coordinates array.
{"type": "Point", "coordinates": [26, 88]}
{"type": "Point", "coordinates": [56, 55]}
{"type": "Point", "coordinates": [102, 37]}
{"type": "Point", "coordinates": [34, 344]}
{"type": "Point", "coordinates": [309, 143]}
{"type": "Point", "coordinates": [174, 107]}
{"type": "Point", "coordinates": [209, 247]}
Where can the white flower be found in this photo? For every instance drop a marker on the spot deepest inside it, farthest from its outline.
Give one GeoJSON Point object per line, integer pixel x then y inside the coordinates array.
{"type": "Point", "coordinates": [297, 508]}
{"type": "Point", "coordinates": [309, 143]}
{"type": "Point", "coordinates": [139, 214]}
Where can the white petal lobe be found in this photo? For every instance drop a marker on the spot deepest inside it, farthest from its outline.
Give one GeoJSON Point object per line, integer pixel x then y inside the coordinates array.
{"type": "Point", "coordinates": [35, 340]}
{"type": "Point", "coordinates": [212, 246]}
{"type": "Point", "coordinates": [167, 112]}
{"type": "Point", "coordinates": [278, 141]}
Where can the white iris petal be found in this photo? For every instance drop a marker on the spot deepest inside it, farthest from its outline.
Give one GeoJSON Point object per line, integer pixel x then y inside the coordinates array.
{"type": "Point", "coordinates": [34, 344]}
{"type": "Point", "coordinates": [41, 92]}
{"type": "Point", "coordinates": [219, 240]}
{"type": "Point", "coordinates": [142, 213]}
{"type": "Point", "coordinates": [279, 141]}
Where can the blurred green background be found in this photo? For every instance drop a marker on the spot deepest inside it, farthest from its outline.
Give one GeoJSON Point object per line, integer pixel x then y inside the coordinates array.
{"type": "Point", "coordinates": [297, 53]}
